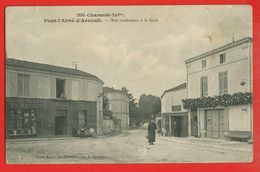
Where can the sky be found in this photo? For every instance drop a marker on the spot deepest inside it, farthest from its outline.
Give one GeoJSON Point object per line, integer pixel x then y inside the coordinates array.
{"type": "Point", "coordinates": [145, 57]}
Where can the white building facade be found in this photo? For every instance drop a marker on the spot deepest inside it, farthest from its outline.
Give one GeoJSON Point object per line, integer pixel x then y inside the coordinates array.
{"type": "Point", "coordinates": [222, 74]}
{"type": "Point", "coordinates": [119, 105]}
{"type": "Point", "coordinates": [50, 99]}
{"type": "Point", "coordinates": [174, 116]}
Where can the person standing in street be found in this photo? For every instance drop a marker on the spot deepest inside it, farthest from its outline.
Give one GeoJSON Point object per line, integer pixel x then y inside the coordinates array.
{"type": "Point", "coordinates": [151, 131]}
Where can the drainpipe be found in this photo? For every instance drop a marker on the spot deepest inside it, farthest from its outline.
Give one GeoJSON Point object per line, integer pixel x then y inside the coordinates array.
{"type": "Point", "coordinates": [187, 96]}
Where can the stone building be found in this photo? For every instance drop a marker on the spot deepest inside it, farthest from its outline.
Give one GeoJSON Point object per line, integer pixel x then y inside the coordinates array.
{"type": "Point", "coordinates": [119, 105]}
{"type": "Point", "coordinates": [174, 116]}
{"type": "Point", "coordinates": [46, 100]}
{"type": "Point", "coordinates": [219, 91]}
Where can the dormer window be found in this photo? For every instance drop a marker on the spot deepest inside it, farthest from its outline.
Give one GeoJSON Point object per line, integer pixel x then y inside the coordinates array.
{"type": "Point", "coordinates": [222, 58]}
{"type": "Point", "coordinates": [204, 64]}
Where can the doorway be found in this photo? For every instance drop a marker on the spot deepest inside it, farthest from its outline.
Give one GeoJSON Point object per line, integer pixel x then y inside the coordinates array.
{"type": "Point", "coordinates": [217, 123]}
{"type": "Point", "coordinates": [61, 122]}
{"type": "Point", "coordinates": [179, 126]}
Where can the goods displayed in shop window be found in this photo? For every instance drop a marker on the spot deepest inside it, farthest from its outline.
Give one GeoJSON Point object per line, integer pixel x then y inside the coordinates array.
{"type": "Point", "coordinates": [23, 122]}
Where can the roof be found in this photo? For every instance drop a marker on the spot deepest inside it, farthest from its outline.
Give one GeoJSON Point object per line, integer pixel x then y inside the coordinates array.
{"type": "Point", "coordinates": [179, 87]}
{"type": "Point", "coordinates": [214, 51]}
{"type": "Point", "coordinates": [49, 68]}
{"type": "Point", "coordinates": [112, 90]}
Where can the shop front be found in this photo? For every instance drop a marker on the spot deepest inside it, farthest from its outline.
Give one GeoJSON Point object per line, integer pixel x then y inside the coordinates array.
{"type": "Point", "coordinates": [30, 117]}
{"type": "Point", "coordinates": [176, 124]}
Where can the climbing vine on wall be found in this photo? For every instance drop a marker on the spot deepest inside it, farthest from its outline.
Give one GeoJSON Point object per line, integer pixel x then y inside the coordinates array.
{"type": "Point", "coordinates": [223, 100]}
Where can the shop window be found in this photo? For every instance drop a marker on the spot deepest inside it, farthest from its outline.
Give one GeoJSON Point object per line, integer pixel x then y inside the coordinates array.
{"type": "Point", "coordinates": [60, 88]}
{"type": "Point", "coordinates": [223, 82]}
{"type": "Point", "coordinates": [22, 122]}
{"type": "Point", "coordinates": [204, 86]}
{"type": "Point", "coordinates": [23, 85]}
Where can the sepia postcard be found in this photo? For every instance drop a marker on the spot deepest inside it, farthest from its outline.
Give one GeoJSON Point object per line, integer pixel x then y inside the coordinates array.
{"type": "Point", "coordinates": [128, 84]}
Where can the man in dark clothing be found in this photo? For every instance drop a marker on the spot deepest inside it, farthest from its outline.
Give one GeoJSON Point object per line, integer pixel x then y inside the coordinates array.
{"type": "Point", "coordinates": [151, 132]}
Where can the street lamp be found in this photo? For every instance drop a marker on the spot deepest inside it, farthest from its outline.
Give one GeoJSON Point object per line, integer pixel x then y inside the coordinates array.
{"type": "Point", "coordinates": [243, 82]}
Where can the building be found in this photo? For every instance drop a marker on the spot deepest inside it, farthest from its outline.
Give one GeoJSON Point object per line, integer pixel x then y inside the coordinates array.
{"type": "Point", "coordinates": [119, 105]}
{"type": "Point", "coordinates": [219, 89]}
{"type": "Point", "coordinates": [174, 116]}
{"type": "Point", "coordinates": [46, 100]}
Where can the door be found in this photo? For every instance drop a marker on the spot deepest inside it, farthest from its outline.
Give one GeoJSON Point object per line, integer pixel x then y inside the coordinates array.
{"type": "Point", "coordinates": [215, 124]}
{"type": "Point", "coordinates": [178, 126]}
{"type": "Point", "coordinates": [184, 126]}
{"type": "Point", "coordinates": [61, 122]}
{"type": "Point", "coordinates": [209, 123]}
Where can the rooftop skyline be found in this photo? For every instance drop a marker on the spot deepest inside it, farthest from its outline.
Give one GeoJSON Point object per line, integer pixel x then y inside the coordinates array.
{"type": "Point", "coordinates": [146, 58]}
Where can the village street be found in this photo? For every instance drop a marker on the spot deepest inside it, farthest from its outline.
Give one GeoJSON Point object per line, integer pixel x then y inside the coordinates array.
{"type": "Point", "coordinates": [128, 147]}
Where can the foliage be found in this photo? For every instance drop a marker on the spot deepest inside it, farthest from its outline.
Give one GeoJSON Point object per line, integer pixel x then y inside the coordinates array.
{"type": "Point", "coordinates": [133, 108]}
{"type": "Point", "coordinates": [149, 105]}
{"type": "Point", "coordinates": [106, 112]}
{"type": "Point", "coordinates": [222, 100]}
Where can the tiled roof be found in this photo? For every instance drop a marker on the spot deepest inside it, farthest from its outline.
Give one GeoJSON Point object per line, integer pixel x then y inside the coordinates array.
{"type": "Point", "coordinates": [224, 47]}
{"type": "Point", "coordinates": [49, 68]}
{"type": "Point", "coordinates": [179, 87]}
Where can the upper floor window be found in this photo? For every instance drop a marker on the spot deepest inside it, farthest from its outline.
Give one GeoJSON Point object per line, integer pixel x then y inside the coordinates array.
{"type": "Point", "coordinates": [204, 86]}
{"type": "Point", "coordinates": [204, 63]}
{"type": "Point", "coordinates": [223, 82]}
{"type": "Point", "coordinates": [23, 85]}
{"type": "Point", "coordinates": [60, 88]}
{"type": "Point", "coordinates": [222, 58]}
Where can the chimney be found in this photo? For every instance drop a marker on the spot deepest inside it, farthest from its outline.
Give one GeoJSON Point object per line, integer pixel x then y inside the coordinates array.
{"type": "Point", "coordinates": [75, 64]}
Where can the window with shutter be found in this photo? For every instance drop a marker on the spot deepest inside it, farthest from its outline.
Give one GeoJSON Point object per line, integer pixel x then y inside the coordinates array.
{"type": "Point", "coordinates": [223, 82]}
{"type": "Point", "coordinates": [23, 85]}
{"type": "Point", "coordinates": [204, 86]}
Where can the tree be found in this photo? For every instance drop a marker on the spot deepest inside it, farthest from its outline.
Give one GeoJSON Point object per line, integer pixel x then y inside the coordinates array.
{"type": "Point", "coordinates": [106, 112]}
{"type": "Point", "coordinates": [133, 108]}
{"type": "Point", "coordinates": [149, 105]}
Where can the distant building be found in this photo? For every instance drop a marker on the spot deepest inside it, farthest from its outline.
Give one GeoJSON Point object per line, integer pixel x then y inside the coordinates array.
{"type": "Point", "coordinates": [174, 116]}
{"type": "Point", "coordinates": [43, 99]}
{"type": "Point", "coordinates": [225, 72]}
{"type": "Point", "coordinates": [119, 105]}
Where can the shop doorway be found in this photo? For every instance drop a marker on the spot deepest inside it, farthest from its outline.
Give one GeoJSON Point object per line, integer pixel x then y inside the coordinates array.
{"type": "Point", "coordinates": [61, 122]}
{"type": "Point", "coordinates": [217, 123]}
{"type": "Point", "coordinates": [194, 123]}
{"type": "Point", "coordinates": [179, 126]}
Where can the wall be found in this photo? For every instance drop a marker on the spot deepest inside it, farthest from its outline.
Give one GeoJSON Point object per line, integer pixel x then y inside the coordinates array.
{"type": "Point", "coordinates": [173, 98]}
{"type": "Point", "coordinates": [119, 105]}
{"type": "Point", "coordinates": [236, 64]}
{"type": "Point", "coordinates": [239, 118]}
{"type": "Point", "coordinates": [107, 126]}
{"type": "Point", "coordinates": [43, 85]}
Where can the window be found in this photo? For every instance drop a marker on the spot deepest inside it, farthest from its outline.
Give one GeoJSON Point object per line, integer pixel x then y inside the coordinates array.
{"type": "Point", "coordinates": [204, 86]}
{"type": "Point", "coordinates": [22, 122]}
{"type": "Point", "coordinates": [23, 85]}
{"type": "Point", "coordinates": [222, 58]}
{"type": "Point", "coordinates": [60, 88]}
{"type": "Point", "coordinates": [176, 108]}
{"type": "Point", "coordinates": [204, 63]}
{"type": "Point", "coordinates": [223, 82]}
{"type": "Point", "coordinates": [82, 119]}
